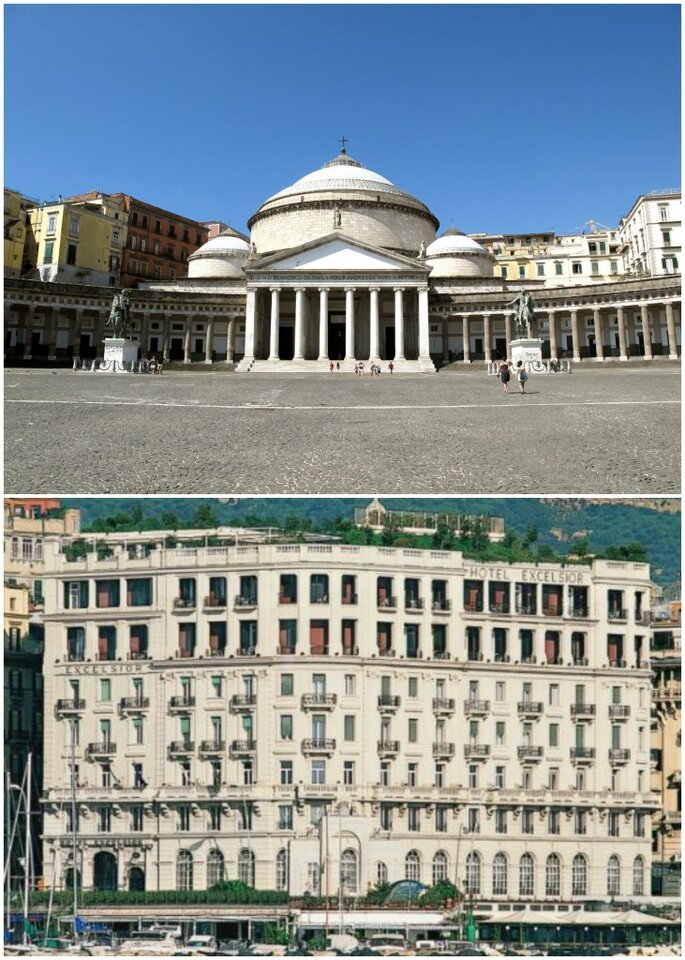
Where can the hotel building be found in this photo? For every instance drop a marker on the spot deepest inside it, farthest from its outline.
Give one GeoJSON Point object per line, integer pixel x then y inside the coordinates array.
{"type": "Point", "coordinates": [300, 716]}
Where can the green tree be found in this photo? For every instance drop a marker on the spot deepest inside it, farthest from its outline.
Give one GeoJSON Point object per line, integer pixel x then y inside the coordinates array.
{"type": "Point", "coordinates": [443, 538]}
{"type": "Point", "coordinates": [204, 516]}
{"type": "Point", "coordinates": [479, 537]}
{"type": "Point", "coordinates": [532, 535]}
{"type": "Point", "coordinates": [170, 520]}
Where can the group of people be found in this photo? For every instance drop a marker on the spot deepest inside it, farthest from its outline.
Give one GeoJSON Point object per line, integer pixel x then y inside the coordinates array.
{"type": "Point", "coordinates": [374, 369]}
{"type": "Point", "coordinates": [153, 364]}
{"type": "Point", "coordinates": [505, 371]}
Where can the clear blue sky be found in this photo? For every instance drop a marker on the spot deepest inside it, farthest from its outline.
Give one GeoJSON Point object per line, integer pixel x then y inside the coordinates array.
{"type": "Point", "coordinates": [502, 118]}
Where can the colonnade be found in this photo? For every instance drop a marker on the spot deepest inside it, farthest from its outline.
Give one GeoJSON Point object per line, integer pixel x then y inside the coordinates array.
{"type": "Point", "coordinates": [304, 349]}
{"type": "Point", "coordinates": [579, 329]}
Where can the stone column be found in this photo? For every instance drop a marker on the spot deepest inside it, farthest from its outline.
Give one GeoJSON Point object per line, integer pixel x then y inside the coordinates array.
{"type": "Point", "coordinates": [323, 323]}
{"type": "Point", "coordinates": [487, 338]}
{"type": "Point", "coordinates": [399, 323]}
{"type": "Point", "coordinates": [553, 345]}
{"type": "Point", "coordinates": [30, 315]}
{"type": "Point", "coordinates": [166, 338]}
{"type": "Point", "coordinates": [575, 332]}
{"type": "Point", "coordinates": [467, 337]}
{"type": "Point", "coordinates": [51, 330]}
{"type": "Point", "coordinates": [230, 340]}
{"type": "Point", "coordinates": [622, 346]}
{"type": "Point", "coordinates": [144, 333]}
{"type": "Point", "coordinates": [445, 342]}
{"type": "Point", "coordinates": [209, 342]}
{"type": "Point", "coordinates": [250, 319]}
{"type": "Point", "coordinates": [509, 332]}
{"type": "Point", "coordinates": [672, 338]}
{"type": "Point", "coordinates": [74, 327]}
{"type": "Point", "coordinates": [598, 333]}
{"type": "Point", "coordinates": [424, 327]}
{"type": "Point", "coordinates": [373, 324]}
{"type": "Point", "coordinates": [349, 323]}
{"type": "Point", "coordinates": [275, 319]}
{"type": "Point", "coordinates": [186, 339]}
{"type": "Point", "coordinates": [299, 317]}
{"type": "Point", "coordinates": [646, 333]}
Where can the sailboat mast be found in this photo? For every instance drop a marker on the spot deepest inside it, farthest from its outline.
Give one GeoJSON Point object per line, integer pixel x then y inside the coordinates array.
{"type": "Point", "coordinates": [27, 845]}
{"type": "Point", "coordinates": [8, 828]}
{"type": "Point", "coordinates": [74, 879]}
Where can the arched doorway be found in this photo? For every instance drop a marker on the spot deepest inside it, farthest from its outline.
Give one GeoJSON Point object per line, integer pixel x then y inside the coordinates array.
{"type": "Point", "coordinates": [104, 871]}
{"type": "Point", "coordinates": [136, 878]}
{"type": "Point", "coordinates": [69, 879]}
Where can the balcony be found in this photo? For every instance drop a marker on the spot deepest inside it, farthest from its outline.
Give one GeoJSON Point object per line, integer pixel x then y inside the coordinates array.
{"type": "Point", "coordinates": [441, 606]}
{"type": "Point", "coordinates": [181, 604]}
{"type": "Point", "coordinates": [619, 711]}
{"type": "Point", "coordinates": [388, 748]}
{"type": "Point", "coordinates": [473, 606]}
{"type": "Point", "coordinates": [180, 748]}
{"type": "Point", "coordinates": [243, 747]}
{"type": "Point", "coordinates": [583, 710]}
{"type": "Point", "coordinates": [246, 652]}
{"type": "Point", "coordinates": [134, 704]}
{"type": "Point", "coordinates": [529, 753]}
{"type": "Point", "coordinates": [617, 613]}
{"type": "Point", "coordinates": [386, 603]}
{"type": "Point", "coordinates": [413, 603]}
{"type": "Point", "coordinates": [579, 612]}
{"type": "Point", "coordinates": [320, 701]}
{"type": "Point", "coordinates": [212, 747]}
{"type": "Point", "coordinates": [499, 607]}
{"type": "Point", "coordinates": [182, 702]}
{"type": "Point", "coordinates": [476, 751]}
{"type": "Point", "coordinates": [244, 701]}
{"type": "Point", "coordinates": [214, 602]}
{"type": "Point", "coordinates": [386, 703]}
{"type": "Point", "coordinates": [473, 708]}
{"type": "Point", "coordinates": [443, 749]}
{"type": "Point", "coordinates": [643, 617]}
{"type": "Point", "coordinates": [216, 651]}
{"type": "Point", "coordinates": [581, 662]}
{"type": "Point", "coordinates": [582, 754]}
{"type": "Point", "coordinates": [619, 755]}
{"type": "Point", "coordinates": [65, 707]}
{"type": "Point", "coordinates": [287, 598]}
{"type": "Point", "coordinates": [530, 708]}
{"type": "Point", "coordinates": [350, 651]}
{"type": "Point", "coordinates": [244, 602]}
{"type": "Point", "coordinates": [442, 706]}
{"type": "Point", "coordinates": [526, 609]}
{"type": "Point", "coordinates": [104, 749]}
{"type": "Point", "coordinates": [318, 745]}
{"type": "Point", "coordinates": [322, 598]}
{"type": "Point", "coordinates": [620, 664]}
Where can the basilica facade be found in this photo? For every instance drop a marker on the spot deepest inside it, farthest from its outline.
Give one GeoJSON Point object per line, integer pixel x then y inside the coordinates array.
{"type": "Point", "coordinates": [343, 266]}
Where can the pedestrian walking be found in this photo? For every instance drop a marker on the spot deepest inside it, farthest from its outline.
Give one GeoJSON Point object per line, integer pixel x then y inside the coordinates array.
{"type": "Point", "coordinates": [160, 365]}
{"type": "Point", "coordinates": [337, 366]}
{"type": "Point", "coordinates": [521, 376]}
{"type": "Point", "coordinates": [504, 374]}
{"type": "Point", "coordinates": [391, 366]}
{"type": "Point", "coordinates": [331, 366]}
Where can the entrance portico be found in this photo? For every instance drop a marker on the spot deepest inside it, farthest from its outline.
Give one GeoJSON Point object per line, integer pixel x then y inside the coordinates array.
{"type": "Point", "coordinates": [343, 301]}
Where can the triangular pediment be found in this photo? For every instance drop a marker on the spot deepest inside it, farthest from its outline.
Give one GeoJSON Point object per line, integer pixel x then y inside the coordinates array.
{"type": "Point", "coordinates": [337, 252]}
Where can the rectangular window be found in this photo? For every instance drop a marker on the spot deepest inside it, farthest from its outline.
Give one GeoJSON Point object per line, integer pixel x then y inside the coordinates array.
{"type": "Point", "coordinates": [500, 691]}
{"type": "Point", "coordinates": [412, 687]}
{"type": "Point", "coordinates": [414, 819]}
{"type": "Point", "coordinates": [541, 269]}
{"type": "Point", "coordinates": [558, 269]}
{"type": "Point", "coordinates": [473, 820]}
{"type": "Point", "coordinates": [74, 226]}
{"type": "Point", "coordinates": [499, 733]}
{"type": "Point", "coordinates": [348, 773]}
{"type": "Point", "coordinates": [105, 690]}
{"type": "Point", "coordinates": [554, 734]}
{"type": "Point", "coordinates": [287, 685]}
{"type": "Point", "coordinates": [286, 772]}
{"type": "Point", "coordinates": [440, 818]}
{"type": "Point", "coordinates": [286, 726]}
{"type": "Point", "coordinates": [576, 268]}
{"type": "Point", "coordinates": [285, 817]}
{"type": "Point", "coordinates": [137, 819]}
{"type": "Point", "coordinates": [554, 822]}
{"type": "Point", "coordinates": [412, 773]}
{"type": "Point", "coordinates": [413, 730]}
{"type": "Point", "coordinates": [349, 727]}
{"type": "Point", "coordinates": [71, 254]}
{"type": "Point", "coordinates": [350, 685]}
{"type": "Point", "coordinates": [318, 771]}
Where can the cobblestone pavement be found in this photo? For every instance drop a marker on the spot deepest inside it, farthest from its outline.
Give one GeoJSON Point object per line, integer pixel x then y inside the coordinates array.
{"type": "Point", "coordinates": [595, 431]}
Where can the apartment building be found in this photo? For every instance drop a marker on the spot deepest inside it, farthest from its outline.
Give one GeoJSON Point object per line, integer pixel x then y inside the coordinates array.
{"type": "Point", "coordinates": [666, 746]}
{"type": "Point", "coordinates": [293, 714]}
{"type": "Point", "coordinates": [650, 234]}
{"type": "Point", "coordinates": [15, 222]}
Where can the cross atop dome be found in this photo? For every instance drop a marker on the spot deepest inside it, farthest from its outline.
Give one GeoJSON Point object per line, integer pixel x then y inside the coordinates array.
{"type": "Point", "coordinates": [343, 140]}
{"type": "Point", "coordinates": [343, 159]}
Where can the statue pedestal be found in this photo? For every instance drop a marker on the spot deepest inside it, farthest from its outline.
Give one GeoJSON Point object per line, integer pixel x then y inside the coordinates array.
{"type": "Point", "coordinates": [118, 352]}
{"type": "Point", "coordinates": [526, 349]}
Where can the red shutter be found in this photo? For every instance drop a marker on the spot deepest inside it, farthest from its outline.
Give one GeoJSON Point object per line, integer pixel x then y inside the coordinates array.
{"type": "Point", "coordinates": [347, 591]}
{"type": "Point", "coordinates": [134, 643]}
{"type": "Point", "coordinates": [613, 648]}
{"type": "Point", "coordinates": [317, 638]}
{"type": "Point", "coordinates": [550, 646]}
{"type": "Point", "coordinates": [553, 602]}
{"type": "Point", "coordinates": [214, 641]}
{"type": "Point", "coordinates": [348, 637]}
{"type": "Point", "coordinates": [183, 642]}
{"type": "Point", "coordinates": [382, 595]}
{"type": "Point", "coordinates": [499, 595]}
{"type": "Point", "coordinates": [103, 594]}
{"type": "Point", "coordinates": [383, 639]}
{"type": "Point", "coordinates": [102, 647]}
{"type": "Point", "coordinates": [282, 640]}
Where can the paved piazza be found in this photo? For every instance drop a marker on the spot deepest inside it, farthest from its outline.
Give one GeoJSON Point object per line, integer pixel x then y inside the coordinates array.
{"type": "Point", "coordinates": [594, 431]}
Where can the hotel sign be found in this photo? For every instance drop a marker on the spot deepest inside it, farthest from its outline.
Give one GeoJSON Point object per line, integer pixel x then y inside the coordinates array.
{"type": "Point", "coordinates": [527, 574]}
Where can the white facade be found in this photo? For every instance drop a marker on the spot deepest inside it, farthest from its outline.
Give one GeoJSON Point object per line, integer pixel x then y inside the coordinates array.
{"type": "Point", "coordinates": [272, 712]}
{"type": "Point", "coordinates": [651, 234]}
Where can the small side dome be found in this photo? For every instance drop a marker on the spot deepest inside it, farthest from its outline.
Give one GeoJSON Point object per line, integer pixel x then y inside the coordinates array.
{"type": "Point", "coordinates": [453, 254]}
{"type": "Point", "coordinates": [221, 256]}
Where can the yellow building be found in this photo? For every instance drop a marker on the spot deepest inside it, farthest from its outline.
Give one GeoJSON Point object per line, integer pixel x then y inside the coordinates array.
{"type": "Point", "coordinates": [77, 240]}
{"type": "Point", "coordinates": [665, 747]}
{"type": "Point", "coordinates": [27, 522]}
{"type": "Point", "coordinates": [16, 207]}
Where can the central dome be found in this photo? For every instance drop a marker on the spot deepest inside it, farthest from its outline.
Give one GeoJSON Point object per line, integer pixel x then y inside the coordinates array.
{"type": "Point", "coordinates": [346, 196]}
{"type": "Point", "coordinates": [342, 173]}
